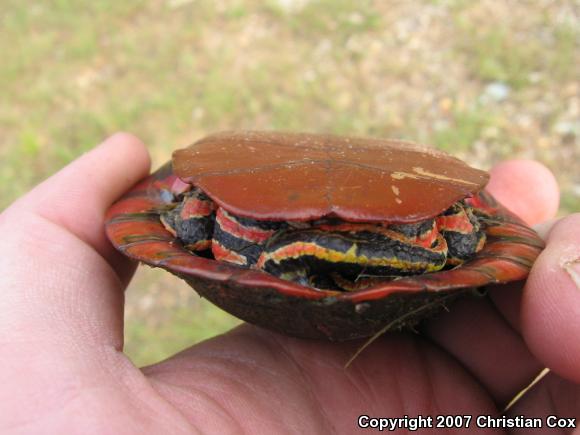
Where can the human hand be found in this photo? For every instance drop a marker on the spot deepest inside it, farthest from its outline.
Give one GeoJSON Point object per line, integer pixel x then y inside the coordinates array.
{"type": "Point", "coordinates": [61, 332]}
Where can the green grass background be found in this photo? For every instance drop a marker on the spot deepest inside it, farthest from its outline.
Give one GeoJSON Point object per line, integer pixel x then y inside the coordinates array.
{"type": "Point", "coordinates": [484, 80]}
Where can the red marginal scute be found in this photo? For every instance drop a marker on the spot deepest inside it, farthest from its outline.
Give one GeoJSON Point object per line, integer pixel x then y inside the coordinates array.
{"type": "Point", "coordinates": [155, 252]}
{"type": "Point", "coordinates": [525, 253]}
{"type": "Point", "coordinates": [123, 232]}
{"type": "Point", "coordinates": [138, 204]}
{"type": "Point", "coordinates": [258, 297]}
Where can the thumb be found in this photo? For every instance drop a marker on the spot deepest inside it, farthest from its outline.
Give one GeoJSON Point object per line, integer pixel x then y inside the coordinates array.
{"type": "Point", "coordinates": [61, 280]}
{"type": "Point", "coordinates": [551, 301]}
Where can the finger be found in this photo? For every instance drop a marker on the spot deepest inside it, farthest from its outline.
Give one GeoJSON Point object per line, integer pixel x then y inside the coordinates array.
{"type": "Point", "coordinates": [551, 301]}
{"type": "Point", "coordinates": [476, 332]}
{"type": "Point", "coordinates": [527, 188]}
{"type": "Point", "coordinates": [55, 283]}
{"type": "Point", "coordinates": [77, 197]}
{"type": "Point", "coordinates": [61, 310]}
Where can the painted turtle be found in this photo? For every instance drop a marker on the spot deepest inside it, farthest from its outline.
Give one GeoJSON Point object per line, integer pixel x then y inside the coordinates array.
{"type": "Point", "coordinates": [322, 236]}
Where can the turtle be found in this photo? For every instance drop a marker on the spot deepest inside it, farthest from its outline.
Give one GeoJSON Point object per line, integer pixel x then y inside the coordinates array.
{"type": "Point", "coordinates": [322, 236]}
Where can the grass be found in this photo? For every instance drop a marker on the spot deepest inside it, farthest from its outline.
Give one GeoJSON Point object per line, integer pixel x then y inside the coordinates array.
{"type": "Point", "coordinates": [339, 18]}
{"type": "Point", "coordinates": [570, 201]}
{"type": "Point", "coordinates": [464, 128]}
{"type": "Point", "coordinates": [165, 316]}
{"type": "Point", "coordinates": [171, 71]}
{"type": "Point", "coordinates": [503, 52]}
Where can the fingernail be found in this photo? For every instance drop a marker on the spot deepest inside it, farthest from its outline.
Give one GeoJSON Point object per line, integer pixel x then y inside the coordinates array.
{"type": "Point", "coordinates": [573, 269]}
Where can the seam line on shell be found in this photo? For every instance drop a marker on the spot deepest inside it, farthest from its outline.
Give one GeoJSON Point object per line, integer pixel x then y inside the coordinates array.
{"type": "Point", "coordinates": [262, 168]}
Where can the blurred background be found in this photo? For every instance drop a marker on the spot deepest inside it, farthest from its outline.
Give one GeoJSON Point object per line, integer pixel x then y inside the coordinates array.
{"type": "Point", "coordinates": [485, 80]}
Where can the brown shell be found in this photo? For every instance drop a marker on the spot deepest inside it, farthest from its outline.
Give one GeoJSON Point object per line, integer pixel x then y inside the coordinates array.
{"type": "Point", "coordinates": [298, 176]}
{"type": "Point", "coordinates": [133, 226]}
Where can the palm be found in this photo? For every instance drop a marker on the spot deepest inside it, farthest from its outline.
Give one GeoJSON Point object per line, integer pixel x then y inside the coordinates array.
{"type": "Point", "coordinates": [261, 379]}
{"type": "Point", "coordinates": [61, 342]}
